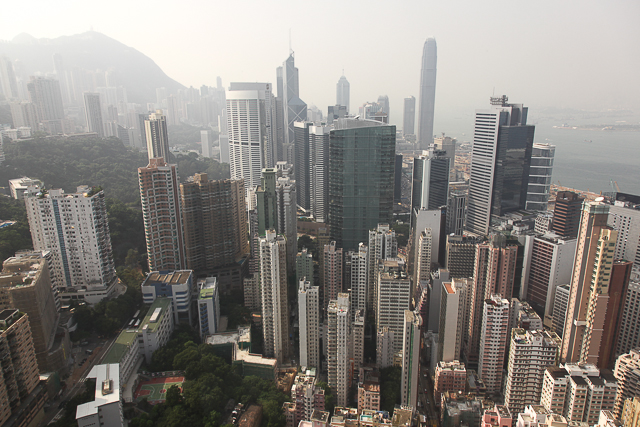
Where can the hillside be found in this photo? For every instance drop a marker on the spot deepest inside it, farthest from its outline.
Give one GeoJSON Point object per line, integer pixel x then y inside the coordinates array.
{"type": "Point", "coordinates": [92, 51]}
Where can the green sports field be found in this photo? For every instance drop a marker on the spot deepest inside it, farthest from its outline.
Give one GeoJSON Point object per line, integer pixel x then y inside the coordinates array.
{"type": "Point", "coordinates": [155, 390]}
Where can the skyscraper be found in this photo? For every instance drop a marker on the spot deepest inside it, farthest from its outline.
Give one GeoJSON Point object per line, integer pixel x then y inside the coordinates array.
{"type": "Point", "coordinates": [529, 354]}
{"type": "Point", "coordinates": [309, 321]}
{"type": "Point", "coordinates": [550, 265]}
{"type": "Point", "coordinates": [304, 266]}
{"type": "Point", "coordinates": [627, 372]}
{"type": "Point", "coordinates": [427, 92]}
{"type": "Point", "coordinates": [333, 262]}
{"type": "Point", "coordinates": [566, 214]}
{"type": "Point", "coordinates": [409, 116]}
{"type": "Point", "coordinates": [540, 176]}
{"type": "Point", "coordinates": [250, 115]}
{"type": "Point", "coordinates": [311, 151]}
{"type": "Point", "coordinates": [409, 387]}
{"type": "Point", "coordinates": [215, 223]}
{"type": "Point", "coordinates": [339, 348]}
{"type": "Point", "coordinates": [394, 297]}
{"type": "Point", "coordinates": [8, 82]}
{"type": "Point", "coordinates": [275, 312]}
{"type": "Point", "coordinates": [592, 268]}
{"type": "Point", "coordinates": [501, 154]}
{"type": "Point", "coordinates": [430, 187]}
{"type": "Point", "coordinates": [93, 113]}
{"type": "Point", "coordinates": [358, 280]}
{"type": "Point", "coordinates": [75, 228]}
{"type": "Point", "coordinates": [493, 342]}
{"type": "Point", "coordinates": [342, 92]}
{"type": "Point", "coordinates": [494, 274]}
{"type": "Point", "coordinates": [295, 110]}
{"type": "Point", "coordinates": [628, 335]}
{"type": "Point", "coordinates": [383, 100]}
{"type": "Point", "coordinates": [46, 95]}
{"type": "Point", "coordinates": [361, 174]}
{"type": "Point", "coordinates": [454, 316]}
{"type": "Point", "coordinates": [624, 217]}
{"type": "Point", "coordinates": [157, 136]}
{"type": "Point", "coordinates": [160, 197]}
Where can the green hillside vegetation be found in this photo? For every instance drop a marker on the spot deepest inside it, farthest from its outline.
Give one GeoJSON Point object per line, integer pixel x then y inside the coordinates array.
{"type": "Point", "coordinates": [68, 163]}
{"type": "Point", "coordinates": [210, 383]}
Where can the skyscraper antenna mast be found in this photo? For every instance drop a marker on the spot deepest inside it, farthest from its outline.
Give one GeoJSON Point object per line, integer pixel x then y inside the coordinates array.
{"type": "Point", "coordinates": [290, 50]}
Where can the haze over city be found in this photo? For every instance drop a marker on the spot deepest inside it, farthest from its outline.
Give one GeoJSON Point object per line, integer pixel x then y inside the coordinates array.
{"type": "Point", "coordinates": [577, 55]}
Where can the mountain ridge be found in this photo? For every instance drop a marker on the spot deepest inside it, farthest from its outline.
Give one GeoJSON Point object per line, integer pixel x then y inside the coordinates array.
{"type": "Point", "coordinates": [91, 50]}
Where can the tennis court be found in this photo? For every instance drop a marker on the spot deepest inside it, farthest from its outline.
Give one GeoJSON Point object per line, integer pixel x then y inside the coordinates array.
{"type": "Point", "coordinates": [155, 390]}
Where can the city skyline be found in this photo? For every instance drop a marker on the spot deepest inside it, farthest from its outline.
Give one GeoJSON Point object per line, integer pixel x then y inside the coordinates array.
{"type": "Point", "coordinates": [567, 39]}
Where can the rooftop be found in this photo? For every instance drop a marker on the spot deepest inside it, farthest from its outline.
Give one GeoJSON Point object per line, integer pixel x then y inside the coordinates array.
{"type": "Point", "coordinates": [179, 277]}
{"type": "Point", "coordinates": [107, 389]}
{"type": "Point", "coordinates": [155, 314]}
{"type": "Point", "coordinates": [121, 346]}
{"type": "Point", "coordinates": [243, 334]}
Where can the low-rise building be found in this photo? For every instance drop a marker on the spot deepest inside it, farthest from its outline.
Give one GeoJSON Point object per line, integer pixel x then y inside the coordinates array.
{"type": "Point", "coordinates": [449, 377]}
{"type": "Point", "coordinates": [369, 396]}
{"type": "Point", "coordinates": [539, 416]}
{"type": "Point", "coordinates": [499, 416]}
{"type": "Point", "coordinates": [106, 408]}
{"type": "Point", "coordinates": [461, 410]}
{"type": "Point", "coordinates": [19, 185]}
{"type": "Point", "coordinates": [175, 285]}
{"type": "Point", "coordinates": [208, 306]}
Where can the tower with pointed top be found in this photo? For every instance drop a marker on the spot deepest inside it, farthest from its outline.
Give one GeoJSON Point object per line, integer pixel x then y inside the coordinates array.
{"type": "Point", "coordinates": [427, 93]}
{"type": "Point", "coordinates": [342, 92]}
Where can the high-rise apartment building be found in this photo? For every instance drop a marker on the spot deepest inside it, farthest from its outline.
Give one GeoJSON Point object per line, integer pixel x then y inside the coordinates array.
{"type": "Point", "coordinates": [628, 334]}
{"type": "Point", "coordinates": [427, 92]}
{"type": "Point", "coordinates": [361, 174]}
{"type": "Point", "coordinates": [613, 312]}
{"type": "Point", "coordinates": [501, 156]}
{"type": "Point", "coordinates": [624, 217]}
{"type": "Point", "coordinates": [157, 136]}
{"type": "Point", "coordinates": [250, 123]}
{"type": "Point", "coordinates": [494, 273]}
{"type": "Point", "coordinates": [74, 228]}
{"type": "Point", "coordinates": [409, 116]}
{"type": "Point", "coordinates": [456, 212]}
{"type": "Point", "coordinates": [160, 197]}
{"type": "Point", "coordinates": [46, 95]}
{"type": "Point", "coordinates": [359, 278]}
{"type": "Point", "coordinates": [560, 303]}
{"type": "Point", "coordinates": [449, 377]}
{"type": "Point", "coordinates": [493, 342]}
{"type": "Point", "coordinates": [8, 81]}
{"type": "Point", "coordinates": [24, 114]}
{"type": "Point", "coordinates": [306, 396]}
{"type": "Point", "coordinates": [333, 264]}
{"type": "Point", "coordinates": [309, 321]}
{"type": "Point", "coordinates": [273, 279]}
{"type": "Point", "coordinates": [409, 384]}
{"type": "Point", "coordinates": [539, 188]}
{"type": "Point", "coordinates": [627, 372]}
{"type": "Point", "coordinates": [566, 214]}
{"type": "Point", "coordinates": [357, 340]}
{"type": "Point", "coordinates": [578, 392]}
{"type": "Point", "coordinates": [394, 297]}
{"type": "Point", "coordinates": [311, 151]}
{"type": "Point", "coordinates": [93, 113]}
{"type": "Point", "coordinates": [549, 265]}
{"type": "Point", "coordinates": [435, 220]}
{"type": "Point", "coordinates": [438, 277]}
{"type": "Point", "coordinates": [20, 369]}
{"type": "Point", "coordinates": [25, 285]}
{"type": "Point", "coordinates": [422, 264]}
{"type": "Point", "coordinates": [631, 412]}
{"type": "Point", "coordinates": [276, 206]}
{"type": "Point", "coordinates": [529, 354]}
{"type": "Point", "coordinates": [461, 255]}
{"type": "Point", "coordinates": [342, 92]}
{"type": "Point", "coordinates": [384, 347]}
{"type": "Point", "coordinates": [215, 223]}
{"type": "Point", "coordinates": [454, 318]}
{"type": "Point", "coordinates": [582, 338]}
{"type": "Point", "coordinates": [304, 266]}
{"type": "Point", "coordinates": [382, 245]}
{"type": "Point", "coordinates": [339, 348]}
{"type": "Point", "coordinates": [430, 187]}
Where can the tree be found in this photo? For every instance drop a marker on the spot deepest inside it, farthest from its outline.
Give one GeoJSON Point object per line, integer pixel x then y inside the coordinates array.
{"type": "Point", "coordinates": [173, 396]}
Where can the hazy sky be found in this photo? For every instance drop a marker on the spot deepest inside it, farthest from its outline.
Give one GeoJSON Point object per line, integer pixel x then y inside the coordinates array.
{"type": "Point", "coordinates": [575, 54]}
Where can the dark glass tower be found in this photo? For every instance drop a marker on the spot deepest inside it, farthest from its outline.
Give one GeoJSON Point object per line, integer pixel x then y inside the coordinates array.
{"type": "Point", "coordinates": [361, 179]}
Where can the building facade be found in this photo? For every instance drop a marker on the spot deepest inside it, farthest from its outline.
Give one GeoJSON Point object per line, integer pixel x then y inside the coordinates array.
{"type": "Point", "coordinates": [75, 229]}
{"type": "Point", "coordinates": [493, 342]}
{"type": "Point", "coordinates": [539, 188]}
{"type": "Point", "coordinates": [309, 323]}
{"type": "Point", "coordinates": [160, 198]}
{"type": "Point", "coordinates": [409, 387]}
{"type": "Point", "coordinates": [427, 92]}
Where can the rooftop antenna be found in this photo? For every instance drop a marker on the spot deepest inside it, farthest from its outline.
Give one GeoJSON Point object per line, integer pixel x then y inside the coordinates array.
{"type": "Point", "coordinates": [290, 50]}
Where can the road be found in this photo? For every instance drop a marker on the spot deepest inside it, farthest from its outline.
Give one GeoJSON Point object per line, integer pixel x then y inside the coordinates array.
{"type": "Point", "coordinates": [427, 406]}
{"type": "Point", "coordinates": [75, 382]}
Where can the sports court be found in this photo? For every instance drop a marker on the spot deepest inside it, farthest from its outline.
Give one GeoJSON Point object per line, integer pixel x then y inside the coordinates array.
{"type": "Point", "coordinates": [155, 390]}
